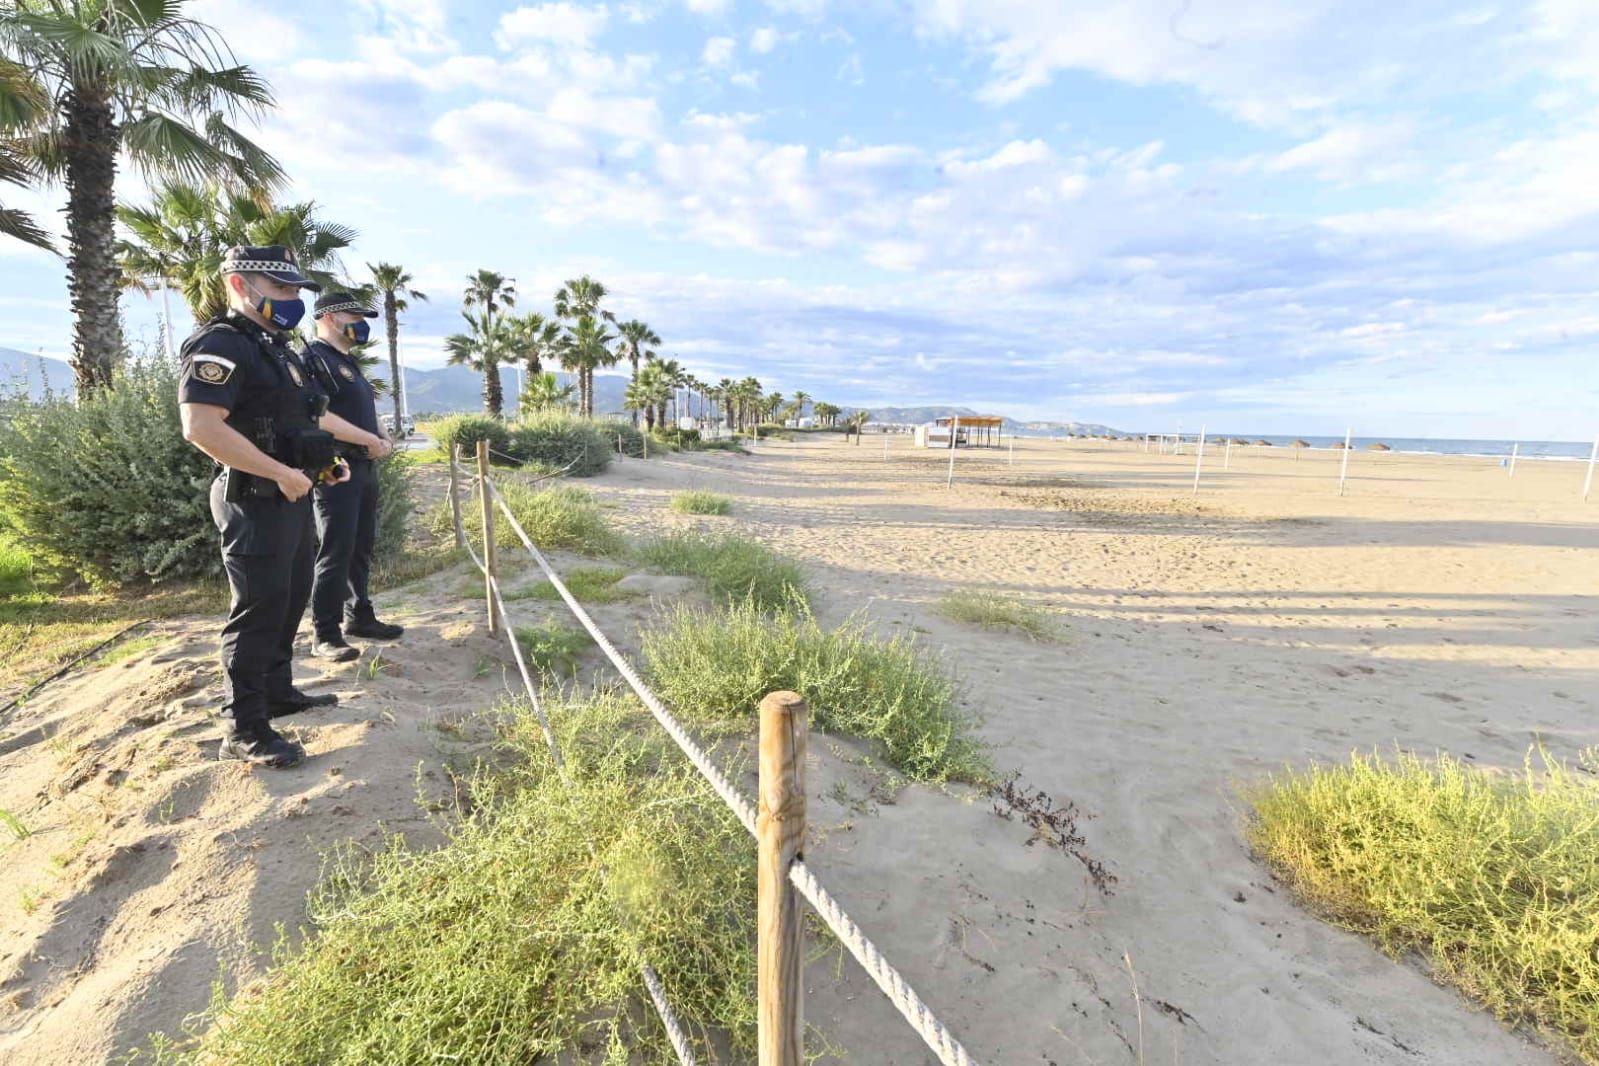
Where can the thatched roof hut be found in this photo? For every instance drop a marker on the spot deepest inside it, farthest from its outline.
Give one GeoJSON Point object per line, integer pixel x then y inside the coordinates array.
{"type": "Point", "coordinates": [1301, 444]}
{"type": "Point", "coordinates": [1340, 445]}
{"type": "Point", "coordinates": [1379, 446]}
{"type": "Point", "coordinates": [1263, 442]}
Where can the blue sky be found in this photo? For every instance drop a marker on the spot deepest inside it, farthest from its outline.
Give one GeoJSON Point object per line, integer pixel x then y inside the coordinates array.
{"type": "Point", "coordinates": [1260, 215]}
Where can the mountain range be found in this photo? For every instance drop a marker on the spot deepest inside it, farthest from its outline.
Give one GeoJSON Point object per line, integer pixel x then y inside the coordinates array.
{"type": "Point", "coordinates": [19, 370]}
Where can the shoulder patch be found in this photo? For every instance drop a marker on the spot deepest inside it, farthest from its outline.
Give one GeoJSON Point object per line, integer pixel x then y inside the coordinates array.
{"type": "Point", "coordinates": [212, 369]}
{"type": "Point", "coordinates": [349, 375]}
{"type": "Point", "coordinates": [294, 372]}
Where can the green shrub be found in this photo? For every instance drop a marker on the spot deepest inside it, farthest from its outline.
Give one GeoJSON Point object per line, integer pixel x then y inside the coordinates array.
{"type": "Point", "coordinates": [994, 610]}
{"type": "Point", "coordinates": [553, 648]}
{"type": "Point", "coordinates": [717, 666]}
{"type": "Point", "coordinates": [734, 569]}
{"type": "Point", "coordinates": [395, 505]}
{"type": "Point", "coordinates": [467, 430]}
{"type": "Point", "coordinates": [515, 942]}
{"type": "Point", "coordinates": [1491, 876]}
{"type": "Point", "coordinates": [16, 567]}
{"type": "Point", "coordinates": [683, 440]}
{"type": "Point", "coordinates": [724, 444]}
{"type": "Point", "coordinates": [699, 501]}
{"type": "Point", "coordinates": [773, 431]}
{"type": "Point", "coordinates": [556, 517]}
{"type": "Point", "coordinates": [555, 440]}
{"type": "Point", "coordinates": [632, 438]}
{"type": "Point", "coordinates": [108, 488]}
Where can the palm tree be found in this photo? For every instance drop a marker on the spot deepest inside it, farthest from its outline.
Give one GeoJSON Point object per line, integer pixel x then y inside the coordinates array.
{"type": "Point", "coordinates": [133, 79]}
{"type": "Point", "coordinates": [578, 298]}
{"type": "Point", "coordinates": [672, 374]}
{"type": "Point", "coordinates": [801, 398]}
{"type": "Point", "coordinates": [183, 235]}
{"type": "Point", "coordinates": [636, 337]}
{"type": "Point", "coordinates": [494, 292]}
{"type": "Point", "coordinates": [536, 339]}
{"type": "Point", "coordinates": [23, 105]}
{"type": "Point", "coordinates": [724, 393]}
{"type": "Point", "coordinates": [587, 346]}
{"type": "Point", "coordinates": [484, 346]}
{"type": "Point", "coordinates": [544, 390]}
{"type": "Point", "coordinates": [647, 392]}
{"type": "Point", "coordinates": [394, 283]}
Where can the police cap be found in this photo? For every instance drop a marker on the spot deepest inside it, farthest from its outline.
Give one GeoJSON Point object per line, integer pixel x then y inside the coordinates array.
{"type": "Point", "coordinates": [273, 260]}
{"type": "Point", "coordinates": [332, 302]}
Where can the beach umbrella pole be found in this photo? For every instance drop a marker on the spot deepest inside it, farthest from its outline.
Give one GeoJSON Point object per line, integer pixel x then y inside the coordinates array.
{"type": "Point", "coordinates": [1199, 459]}
{"type": "Point", "coordinates": [1514, 448]}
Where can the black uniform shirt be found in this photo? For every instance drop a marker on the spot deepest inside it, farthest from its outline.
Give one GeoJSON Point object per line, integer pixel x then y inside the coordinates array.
{"type": "Point", "coordinates": [354, 401]}
{"type": "Point", "coordinates": [235, 364]}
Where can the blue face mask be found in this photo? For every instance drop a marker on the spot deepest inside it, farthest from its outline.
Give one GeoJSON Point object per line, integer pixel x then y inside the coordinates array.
{"type": "Point", "coordinates": [284, 314]}
{"type": "Point", "coordinates": [359, 332]}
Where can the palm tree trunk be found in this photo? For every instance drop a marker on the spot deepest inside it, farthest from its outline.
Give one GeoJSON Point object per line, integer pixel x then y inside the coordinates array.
{"type": "Point", "coordinates": [391, 323]}
{"type": "Point", "coordinates": [634, 358]}
{"type": "Point", "coordinates": [493, 395]}
{"type": "Point", "coordinates": [93, 282]}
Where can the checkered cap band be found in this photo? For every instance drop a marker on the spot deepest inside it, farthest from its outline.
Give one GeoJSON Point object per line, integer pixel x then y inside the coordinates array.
{"type": "Point", "coordinates": [348, 305]}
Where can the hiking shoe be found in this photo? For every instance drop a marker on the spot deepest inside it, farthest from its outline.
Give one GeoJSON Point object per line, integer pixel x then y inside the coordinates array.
{"type": "Point", "coordinates": [334, 651]}
{"type": "Point", "coordinates": [261, 747]}
{"type": "Point", "coordinates": [372, 629]}
{"type": "Point", "coordinates": [298, 701]}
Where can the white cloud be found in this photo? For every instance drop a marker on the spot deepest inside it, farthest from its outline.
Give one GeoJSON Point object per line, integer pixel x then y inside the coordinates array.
{"type": "Point", "coordinates": [627, 117]}
{"type": "Point", "coordinates": [718, 51]}
{"type": "Point", "coordinates": [709, 7]}
{"type": "Point", "coordinates": [563, 23]}
{"type": "Point", "coordinates": [413, 25]}
{"type": "Point", "coordinates": [1352, 151]}
{"type": "Point", "coordinates": [764, 39]}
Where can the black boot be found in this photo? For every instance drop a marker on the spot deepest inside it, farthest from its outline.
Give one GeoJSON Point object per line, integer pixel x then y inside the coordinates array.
{"type": "Point", "coordinates": [297, 701]}
{"type": "Point", "coordinates": [372, 629]}
{"type": "Point", "coordinates": [260, 745]}
{"type": "Point", "coordinates": [333, 650]}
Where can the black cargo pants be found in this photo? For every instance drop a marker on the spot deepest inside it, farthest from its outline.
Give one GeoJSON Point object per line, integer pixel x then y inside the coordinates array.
{"type": "Point", "coordinates": [267, 551]}
{"type": "Point", "coordinates": [347, 524]}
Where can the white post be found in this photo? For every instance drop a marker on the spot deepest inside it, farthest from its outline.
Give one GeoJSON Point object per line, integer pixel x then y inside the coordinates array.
{"type": "Point", "coordinates": [1199, 459]}
{"type": "Point", "coordinates": [1592, 456]}
{"type": "Point", "coordinates": [1227, 455]}
{"type": "Point", "coordinates": [1514, 448]}
{"type": "Point", "coordinates": [1343, 474]}
{"type": "Point", "coordinates": [1178, 443]}
{"type": "Point", "coordinates": [954, 425]}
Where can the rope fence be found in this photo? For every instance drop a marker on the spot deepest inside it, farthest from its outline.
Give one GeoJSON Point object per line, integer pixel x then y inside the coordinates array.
{"type": "Point", "coordinates": [781, 1029]}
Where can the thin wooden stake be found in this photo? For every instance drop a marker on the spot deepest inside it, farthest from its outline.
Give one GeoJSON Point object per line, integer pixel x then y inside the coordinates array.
{"type": "Point", "coordinates": [1593, 456]}
{"type": "Point", "coordinates": [780, 829]}
{"type": "Point", "coordinates": [1199, 459]}
{"type": "Point", "coordinates": [1227, 455]}
{"type": "Point", "coordinates": [1514, 448]}
{"type": "Point", "coordinates": [491, 569]}
{"type": "Point", "coordinates": [954, 429]}
{"type": "Point", "coordinates": [455, 497]}
{"type": "Point", "coordinates": [1343, 473]}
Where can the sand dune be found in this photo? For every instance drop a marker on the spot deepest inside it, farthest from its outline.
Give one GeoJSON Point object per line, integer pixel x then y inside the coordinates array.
{"type": "Point", "coordinates": [1437, 605]}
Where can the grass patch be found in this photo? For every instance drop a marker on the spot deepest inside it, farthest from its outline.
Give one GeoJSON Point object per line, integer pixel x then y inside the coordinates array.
{"type": "Point", "coordinates": [511, 943]}
{"type": "Point", "coordinates": [16, 568]}
{"type": "Point", "coordinates": [734, 569]}
{"type": "Point", "coordinates": [724, 444]}
{"type": "Point", "coordinates": [557, 517]}
{"type": "Point", "coordinates": [131, 649]}
{"type": "Point", "coordinates": [552, 648]}
{"type": "Point", "coordinates": [1491, 876]}
{"type": "Point", "coordinates": [699, 501]}
{"type": "Point", "coordinates": [590, 584]}
{"type": "Point", "coordinates": [717, 666]}
{"type": "Point", "coordinates": [995, 610]}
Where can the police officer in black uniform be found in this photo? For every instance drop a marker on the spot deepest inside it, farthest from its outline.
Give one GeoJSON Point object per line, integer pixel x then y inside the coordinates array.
{"type": "Point", "coordinates": [248, 401]}
{"type": "Point", "coordinates": [347, 513]}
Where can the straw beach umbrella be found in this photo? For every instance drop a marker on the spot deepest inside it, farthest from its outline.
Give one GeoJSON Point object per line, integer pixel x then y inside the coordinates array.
{"type": "Point", "coordinates": [1379, 446]}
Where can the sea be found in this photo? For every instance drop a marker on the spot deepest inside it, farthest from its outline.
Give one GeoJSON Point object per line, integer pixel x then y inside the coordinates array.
{"type": "Point", "coordinates": [1491, 449]}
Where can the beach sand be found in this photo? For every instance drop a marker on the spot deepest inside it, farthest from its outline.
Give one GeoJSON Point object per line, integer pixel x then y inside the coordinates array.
{"type": "Point", "coordinates": [1439, 605]}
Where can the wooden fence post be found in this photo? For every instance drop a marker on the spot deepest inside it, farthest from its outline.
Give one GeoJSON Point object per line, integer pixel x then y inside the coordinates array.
{"type": "Point", "coordinates": [780, 829]}
{"type": "Point", "coordinates": [490, 557]}
{"type": "Point", "coordinates": [455, 497]}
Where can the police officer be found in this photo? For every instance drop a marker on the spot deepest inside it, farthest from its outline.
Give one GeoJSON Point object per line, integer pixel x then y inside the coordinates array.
{"type": "Point", "coordinates": [248, 401]}
{"type": "Point", "coordinates": [347, 513]}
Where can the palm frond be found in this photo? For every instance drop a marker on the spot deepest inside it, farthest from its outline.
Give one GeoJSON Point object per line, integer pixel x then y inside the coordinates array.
{"type": "Point", "coordinates": [162, 145]}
